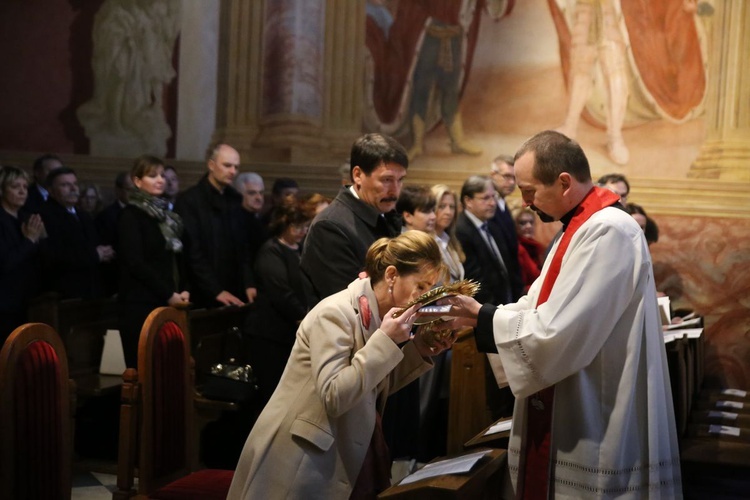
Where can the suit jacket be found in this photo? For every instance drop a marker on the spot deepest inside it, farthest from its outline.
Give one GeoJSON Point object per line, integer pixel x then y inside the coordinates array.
{"type": "Point", "coordinates": [106, 228]}
{"type": "Point", "coordinates": [215, 241]}
{"type": "Point", "coordinates": [34, 200]}
{"type": "Point", "coordinates": [503, 221]}
{"type": "Point", "coordinates": [311, 439]}
{"type": "Point", "coordinates": [71, 262]}
{"type": "Point", "coordinates": [336, 245]}
{"type": "Point", "coordinates": [257, 235]}
{"type": "Point", "coordinates": [481, 264]}
{"type": "Point", "coordinates": [106, 224]}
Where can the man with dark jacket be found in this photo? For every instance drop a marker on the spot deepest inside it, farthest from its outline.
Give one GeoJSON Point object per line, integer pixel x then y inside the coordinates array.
{"type": "Point", "coordinates": [217, 267]}
{"type": "Point", "coordinates": [38, 191]}
{"type": "Point", "coordinates": [504, 181]}
{"type": "Point", "coordinates": [488, 262]}
{"type": "Point", "coordinates": [340, 235]}
{"type": "Point", "coordinates": [72, 253]}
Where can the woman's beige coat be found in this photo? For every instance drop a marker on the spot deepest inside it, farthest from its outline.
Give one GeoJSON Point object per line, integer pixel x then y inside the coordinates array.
{"type": "Point", "coordinates": [310, 440]}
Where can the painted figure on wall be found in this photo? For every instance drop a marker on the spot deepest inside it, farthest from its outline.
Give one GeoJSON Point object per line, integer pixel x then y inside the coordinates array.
{"type": "Point", "coordinates": [626, 62]}
{"type": "Point", "coordinates": [420, 54]}
{"type": "Point", "coordinates": [132, 62]}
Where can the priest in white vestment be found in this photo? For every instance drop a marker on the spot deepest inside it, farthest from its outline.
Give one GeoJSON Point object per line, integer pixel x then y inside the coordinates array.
{"type": "Point", "coordinates": [583, 352]}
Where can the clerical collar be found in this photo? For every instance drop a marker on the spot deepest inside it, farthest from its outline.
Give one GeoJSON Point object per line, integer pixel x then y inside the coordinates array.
{"type": "Point", "coordinates": [565, 219]}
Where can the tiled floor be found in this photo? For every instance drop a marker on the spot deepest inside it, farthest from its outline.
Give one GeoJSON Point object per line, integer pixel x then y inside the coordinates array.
{"type": "Point", "coordinates": [100, 486]}
{"type": "Point", "coordinates": [93, 486]}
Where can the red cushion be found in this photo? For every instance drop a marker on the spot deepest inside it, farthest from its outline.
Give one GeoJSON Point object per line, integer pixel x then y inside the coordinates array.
{"type": "Point", "coordinates": [169, 407]}
{"type": "Point", "coordinates": [206, 484]}
{"type": "Point", "coordinates": [38, 420]}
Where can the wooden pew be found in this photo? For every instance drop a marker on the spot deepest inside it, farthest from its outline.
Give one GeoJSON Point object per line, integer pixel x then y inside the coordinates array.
{"type": "Point", "coordinates": [484, 481]}
{"type": "Point", "coordinates": [468, 413]}
{"type": "Point", "coordinates": [81, 325]}
{"type": "Point", "coordinates": [210, 330]}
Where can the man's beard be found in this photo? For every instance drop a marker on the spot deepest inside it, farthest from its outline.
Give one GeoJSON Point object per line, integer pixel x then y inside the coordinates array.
{"type": "Point", "coordinates": [543, 216]}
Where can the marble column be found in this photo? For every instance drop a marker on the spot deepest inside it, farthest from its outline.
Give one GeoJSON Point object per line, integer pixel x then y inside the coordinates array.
{"type": "Point", "coordinates": [290, 78]}
{"type": "Point", "coordinates": [291, 108]}
{"type": "Point", "coordinates": [725, 154]}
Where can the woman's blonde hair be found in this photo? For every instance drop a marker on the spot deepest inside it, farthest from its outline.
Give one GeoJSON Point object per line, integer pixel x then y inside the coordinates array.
{"type": "Point", "coordinates": [9, 174]}
{"type": "Point", "coordinates": [410, 252]}
{"type": "Point", "coordinates": [440, 190]}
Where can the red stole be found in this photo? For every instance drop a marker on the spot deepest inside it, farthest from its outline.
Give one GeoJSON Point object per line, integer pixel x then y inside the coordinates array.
{"type": "Point", "coordinates": [534, 467]}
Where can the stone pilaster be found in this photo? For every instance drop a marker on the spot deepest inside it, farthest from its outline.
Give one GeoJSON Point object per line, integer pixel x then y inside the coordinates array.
{"type": "Point", "coordinates": [238, 88]}
{"type": "Point", "coordinates": [290, 78]}
{"type": "Point", "coordinates": [725, 154]}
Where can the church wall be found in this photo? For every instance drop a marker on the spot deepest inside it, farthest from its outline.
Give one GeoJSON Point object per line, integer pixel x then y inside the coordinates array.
{"type": "Point", "coordinates": [516, 88]}
{"type": "Point", "coordinates": [45, 53]}
{"type": "Point", "coordinates": [703, 264]}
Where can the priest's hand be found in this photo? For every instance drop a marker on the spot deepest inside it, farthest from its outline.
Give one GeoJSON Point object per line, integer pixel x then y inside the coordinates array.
{"type": "Point", "coordinates": [464, 311]}
{"type": "Point", "coordinates": [433, 338]}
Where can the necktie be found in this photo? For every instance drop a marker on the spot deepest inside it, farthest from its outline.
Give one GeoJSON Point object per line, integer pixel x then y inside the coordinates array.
{"type": "Point", "coordinates": [493, 247]}
{"type": "Point", "coordinates": [498, 256]}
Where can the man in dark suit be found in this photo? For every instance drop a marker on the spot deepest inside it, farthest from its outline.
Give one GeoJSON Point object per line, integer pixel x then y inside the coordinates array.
{"type": "Point", "coordinates": [217, 262]}
{"type": "Point", "coordinates": [339, 237]}
{"type": "Point", "coordinates": [71, 254]}
{"type": "Point", "coordinates": [487, 258]}
{"type": "Point", "coordinates": [483, 243]}
{"type": "Point", "coordinates": [504, 180]}
{"type": "Point", "coordinates": [38, 193]}
{"type": "Point", "coordinates": [106, 228]}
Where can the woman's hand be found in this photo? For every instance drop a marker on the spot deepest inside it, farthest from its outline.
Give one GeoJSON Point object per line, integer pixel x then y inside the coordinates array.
{"type": "Point", "coordinates": [398, 328]}
{"type": "Point", "coordinates": [33, 229]}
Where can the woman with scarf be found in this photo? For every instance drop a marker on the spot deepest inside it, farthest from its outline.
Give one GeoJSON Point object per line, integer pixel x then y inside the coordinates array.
{"type": "Point", "coordinates": [150, 246]}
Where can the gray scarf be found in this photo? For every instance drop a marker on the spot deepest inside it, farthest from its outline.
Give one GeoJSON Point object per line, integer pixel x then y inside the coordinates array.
{"type": "Point", "coordinates": [170, 223]}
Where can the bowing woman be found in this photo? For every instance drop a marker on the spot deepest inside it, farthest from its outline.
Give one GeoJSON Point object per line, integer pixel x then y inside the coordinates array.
{"type": "Point", "coordinates": [320, 435]}
{"type": "Point", "coordinates": [149, 236]}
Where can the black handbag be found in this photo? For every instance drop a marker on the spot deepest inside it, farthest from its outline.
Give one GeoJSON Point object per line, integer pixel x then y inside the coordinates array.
{"type": "Point", "coordinates": [220, 375]}
{"type": "Point", "coordinates": [227, 382]}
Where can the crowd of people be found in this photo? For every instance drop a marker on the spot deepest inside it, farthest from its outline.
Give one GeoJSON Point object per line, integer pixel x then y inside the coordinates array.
{"type": "Point", "coordinates": [327, 276]}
